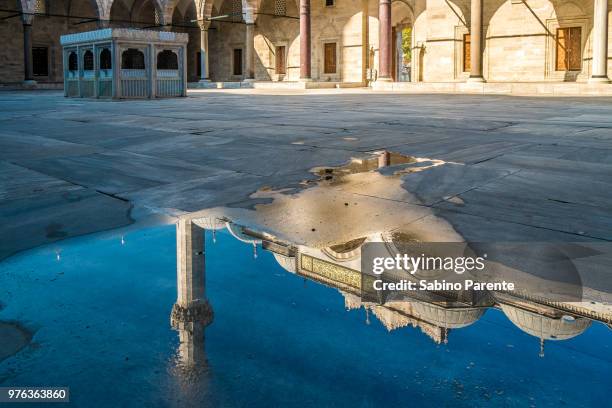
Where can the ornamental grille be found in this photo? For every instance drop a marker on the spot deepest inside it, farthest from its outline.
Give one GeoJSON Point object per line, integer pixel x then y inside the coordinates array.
{"type": "Point", "coordinates": [280, 7]}
{"type": "Point", "coordinates": [236, 10]}
{"type": "Point", "coordinates": [40, 6]}
{"type": "Point", "coordinates": [88, 61]}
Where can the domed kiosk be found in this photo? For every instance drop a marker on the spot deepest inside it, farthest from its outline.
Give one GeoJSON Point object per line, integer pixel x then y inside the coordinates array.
{"type": "Point", "coordinates": [544, 327]}
{"type": "Point", "coordinates": [449, 318]}
{"type": "Point", "coordinates": [124, 63]}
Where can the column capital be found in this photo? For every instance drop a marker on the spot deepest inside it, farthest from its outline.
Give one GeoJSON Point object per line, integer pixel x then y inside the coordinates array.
{"type": "Point", "coordinates": [204, 25]}
{"type": "Point", "coordinates": [27, 19]}
{"type": "Point", "coordinates": [165, 17]}
{"type": "Point", "coordinates": [248, 15]}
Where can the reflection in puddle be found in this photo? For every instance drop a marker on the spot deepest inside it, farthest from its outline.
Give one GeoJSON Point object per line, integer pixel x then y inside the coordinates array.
{"type": "Point", "coordinates": [279, 335]}
{"type": "Point", "coordinates": [318, 234]}
{"type": "Point", "coordinates": [338, 266]}
{"type": "Point", "coordinates": [279, 278]}
{"type": "Point", "coordinates": [191, 312]}
{"type": "Point", "coordinates": [365, 164]}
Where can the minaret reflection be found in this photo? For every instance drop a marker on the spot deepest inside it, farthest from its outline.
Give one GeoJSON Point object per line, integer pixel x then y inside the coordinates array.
{"type": "Point", "coordinates": [192, 311]}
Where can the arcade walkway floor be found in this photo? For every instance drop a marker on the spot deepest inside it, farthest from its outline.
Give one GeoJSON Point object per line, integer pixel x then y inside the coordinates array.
{"type": "Point", "coordinates": [70, 167]}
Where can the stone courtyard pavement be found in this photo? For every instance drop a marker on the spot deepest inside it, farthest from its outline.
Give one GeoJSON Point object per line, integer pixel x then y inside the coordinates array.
{"type": "Point", "coordinates": [72, 166]}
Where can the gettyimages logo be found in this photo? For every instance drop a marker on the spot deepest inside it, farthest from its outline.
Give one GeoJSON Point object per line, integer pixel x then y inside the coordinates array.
{"type": "Point", "coordinates": [413, 264]}
{"type": "Point", "coordinates": [405, 270]}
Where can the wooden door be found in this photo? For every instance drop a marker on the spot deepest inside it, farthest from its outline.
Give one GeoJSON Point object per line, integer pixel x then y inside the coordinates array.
{"type": "Point", "coordinates": [281, 66]}
{"type": "Point", "coordinates": [238, 61]}
{"type": "Point", "coordinates": [467, 52]}
{"type": "Point", "coordinates": [569, 49]}
{"type": "Point", "coordinates": [329, 58]}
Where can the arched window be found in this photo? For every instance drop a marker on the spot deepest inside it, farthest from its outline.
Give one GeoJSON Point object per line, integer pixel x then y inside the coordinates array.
{"type": "Point", "coordinates": [88, 62]}
{"type": "Point", "coordinates": [106, 61]}
{"type": "Point", "coordinates": [132, 58]}
{"type": "Point", "coordinates": [73, 62]}
{"type": "Point", "coordinates": [167, 60]}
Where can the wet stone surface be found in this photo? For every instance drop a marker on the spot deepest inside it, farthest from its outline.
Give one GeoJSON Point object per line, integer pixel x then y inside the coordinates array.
{"type": "Point", "coordinates": [13, 338]}
{"type": "Point", "coordinates": [509, 163]}
{"type": "Point", "coordinates": [249, 293]}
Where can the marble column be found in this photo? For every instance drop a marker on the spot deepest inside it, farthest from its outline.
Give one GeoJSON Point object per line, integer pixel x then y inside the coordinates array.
{"type": "Point", "coordinates": [599, 72]}
{"type": "Point", "coordinates": [305, 41]}
{"type": "Point", "coordinates": [204, 71]}
{"type": "Point", "coordinates": [476, 42]}
{"type": "Point", "coordinates": [250, 52]}
{"type": "Point", "coordinates": [385, 50]}
{"type": "Point", "coordinates": [27, 52]}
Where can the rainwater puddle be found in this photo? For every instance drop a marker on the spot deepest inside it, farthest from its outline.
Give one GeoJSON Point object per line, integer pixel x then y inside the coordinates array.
{"type": "Point", "coordinates": [265, 307]}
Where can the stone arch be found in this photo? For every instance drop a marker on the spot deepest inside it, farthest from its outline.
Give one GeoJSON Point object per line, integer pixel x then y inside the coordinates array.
{"type": "Point", "coordinates": [401, 5]}
{"type": "Point", "coordinates": [402, 18]}
{"type": "Point", "coordinates": [250, 8]}
{"type": "Point", "coordinates": [271, 33]}
{"type": "Point", "coordinates": [119, 13]}
{"type": "Point", "coordinates": [184, 7]}
{"type": "Point", "coordinates": [204, 9]}
{"type": "Point", "coordinates": [147, 12]}
{"type": "Point", "coordinates": [218, 7]}
{"type": "Point", "coordinates": [86, 8]}
{"type": "Point", "coordinates": [540, 20]}
{"type": "Point", "coordinates": [143, 13]}
{"type": "Point", "coordinates": [224, 36]}
{"type": "Point", "coordinates": [184, 12]}
{"type": "Point", "coordinates": [451, 25]}
{"type": "Point", "coordinates": [177, 16]}
{"type": "Point", "coordinates": [461, 9]}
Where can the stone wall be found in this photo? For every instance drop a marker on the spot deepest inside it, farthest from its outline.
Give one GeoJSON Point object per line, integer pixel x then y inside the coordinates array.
{"type": "Point", "coordinates": [223, 38]}
{"type": "Point", "coordinates": [519, 40]}
{"type": "Point", "coordinates": [181, 19]}
{"type": "Point", "coordinates": [11, 52]}
{"type": "Point", "coordinates": [274, 31]}
{"type": "Point", "coordinates": [341, 24]}
{"type": "Point", "coordinates": [46, 32]}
